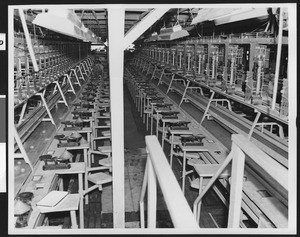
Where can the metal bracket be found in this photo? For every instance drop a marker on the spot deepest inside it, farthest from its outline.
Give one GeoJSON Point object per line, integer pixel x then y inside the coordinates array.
{"type": "Point", "coordinates": [47, 109]}
{"type": "Point", "coordinates": [61, 92]}
{"type": "Point", "coordinates": [23, 153]}
{"type": "Point", "coordinates": [69, 79]}
{"type": "Point", "coordinates": [207, 107]}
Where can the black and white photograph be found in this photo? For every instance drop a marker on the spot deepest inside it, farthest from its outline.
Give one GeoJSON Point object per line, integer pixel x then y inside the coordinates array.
{"type": "Point", "coordinates": [143, 119]}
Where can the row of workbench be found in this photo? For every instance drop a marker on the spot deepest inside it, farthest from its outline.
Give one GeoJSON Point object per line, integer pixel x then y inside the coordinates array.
{"type": "Point", "coordinates": [267, 129]}
{"type": "Point", "coordinates": [200, 153]}
{"type": "Point", "coordinates": [81, 146]}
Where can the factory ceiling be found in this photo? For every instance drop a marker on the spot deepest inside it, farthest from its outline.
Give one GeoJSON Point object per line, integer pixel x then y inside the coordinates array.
{"type": "Point", "coordinates": [199, 22]}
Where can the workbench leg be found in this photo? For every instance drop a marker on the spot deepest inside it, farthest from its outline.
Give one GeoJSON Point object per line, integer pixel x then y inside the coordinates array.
{"type": "Point", "coordinates": [207, 107]}
{"type": "Point", "coordinates": [183, 171]}
{"type": "Point", "coordinates": [153, 74]}
{"type": "Point", "coordinates": [170, 85]}
{"type": "Point", "coordinates": [86, 182]}
{"type": "Point", "coordinates": [254, 124]}
{"type": "Point", "coordinates": [200, 202]}
{"type": "Point", "coordinates": [148, 70]}
{"type": "Point", "coordinates": [161, 76]}
{"type": "Point", "coordinates": [73, 220]}
{"type": "Point", "coordinates": [162, 136]}
{"type": "Point", "coordinates": [171, 152]}
{"type": "Point", "coordinates": [157, 125]}
{"type": "Point", "coordinates": [80, 190]}
{"type": "Point", "coordinates": [142, 100]}
{"type": "Point", "coordinates": [22, 113]}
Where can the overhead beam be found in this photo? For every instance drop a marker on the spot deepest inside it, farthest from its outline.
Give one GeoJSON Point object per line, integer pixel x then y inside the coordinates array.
{"type": "Point", "coordinates": [143, 25]}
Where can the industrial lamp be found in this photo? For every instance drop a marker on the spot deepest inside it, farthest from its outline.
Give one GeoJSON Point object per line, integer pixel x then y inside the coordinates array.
{"type": "Point", "coordinates": [172, 33]}
{"type": "Point", "coordinates": [153, 37]}
{"type": "Point", "coordinates": [64, 21]}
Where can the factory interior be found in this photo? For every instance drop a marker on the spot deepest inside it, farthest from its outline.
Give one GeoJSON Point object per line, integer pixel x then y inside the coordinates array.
{"type": "Point", "coordinates": [136, 119]}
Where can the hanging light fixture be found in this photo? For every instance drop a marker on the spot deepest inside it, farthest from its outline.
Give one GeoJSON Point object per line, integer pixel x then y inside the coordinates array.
{"type": "Point", "coordinates": [222, 16]}
{"type": "Point", "coordinates": [172, 33]}
{"type": "Point", "coordinates": [153, 37]}
{"type": "Point", "coordinates": [66, 22]}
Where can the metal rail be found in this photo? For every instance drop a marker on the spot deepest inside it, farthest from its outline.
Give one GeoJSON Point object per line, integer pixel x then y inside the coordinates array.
{"type": "Point", "coordinates": [158, 168]}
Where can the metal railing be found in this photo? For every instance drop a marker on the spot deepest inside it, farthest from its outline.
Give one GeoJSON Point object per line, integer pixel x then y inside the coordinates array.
{"type": "Point", "coordinates": [241, 147]}
{"type": "Point", "coordinates": [158, 169]}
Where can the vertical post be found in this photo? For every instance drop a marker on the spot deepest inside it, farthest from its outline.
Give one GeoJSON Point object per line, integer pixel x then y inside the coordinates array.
{"type": "Point", "coordinates": [116, 61]}
{"type": "Point", "coordinates": [152, 196]}
{"type": "Point", "coordinates": [279, 46]}
{"type": "Point", "coordinates": [236, 187]}
{"type": "Point", "coordinates": [142, 197]}
{"type": "Point", "coordinates": [80, 190]}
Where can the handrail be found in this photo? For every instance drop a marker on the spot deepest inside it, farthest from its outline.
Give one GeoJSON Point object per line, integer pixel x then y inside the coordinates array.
{"type": "Point", "coordinates": [241, 146]}
{"type": "Point", "coordinates": [158, 168]}
{"type": "Point", "coordinates": [272, 167]}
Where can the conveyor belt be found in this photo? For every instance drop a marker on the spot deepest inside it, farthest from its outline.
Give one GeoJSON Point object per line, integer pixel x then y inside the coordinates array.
{"type": "Point", "coordinates": [259, 178]}
{"type": "Point", "coordinates": [224, 136]}
{"type": "Point", "coordinates": [240, 125]}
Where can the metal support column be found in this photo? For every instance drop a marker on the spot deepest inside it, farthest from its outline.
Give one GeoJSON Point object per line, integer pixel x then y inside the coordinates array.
{"type": "Point", "coordinates": [236, 187]}
{"type": "Point", "coordinates": [116, 18]}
